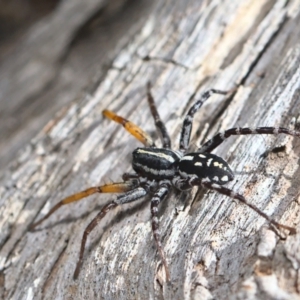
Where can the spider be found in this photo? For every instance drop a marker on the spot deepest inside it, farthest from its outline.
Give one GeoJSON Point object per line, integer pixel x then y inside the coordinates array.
{"type": "Point", "coordinates": [156, 170]}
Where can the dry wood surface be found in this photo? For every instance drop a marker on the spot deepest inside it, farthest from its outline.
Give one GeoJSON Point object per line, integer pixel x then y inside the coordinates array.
{"type": "Point", "coordinates": [216, 248]}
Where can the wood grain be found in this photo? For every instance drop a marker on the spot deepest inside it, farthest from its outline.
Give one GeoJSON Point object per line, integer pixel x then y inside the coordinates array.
{"type": "Point", "coordinates": [216, 248]}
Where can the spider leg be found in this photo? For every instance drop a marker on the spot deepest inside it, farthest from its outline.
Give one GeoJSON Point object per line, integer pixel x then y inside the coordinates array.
{"type": "Point", "coordinates": [188, 120]}
{"type": "Point", "coordinates": [119, 187]}
{"type": "Point", "coordinates": [225, 191]}
{"type": "Point", "coordinates": [158, 197]}
{"type": "Point", "coordinates": [133, 129]}
{"type": "Point", "coordinates": [122, 199]}
{"type": "Point", "coordinates": [222, 136]}
{"type": "Point", "coordinates": [228, 192]}
{"type": "Point", "coordinates": [160, 126]}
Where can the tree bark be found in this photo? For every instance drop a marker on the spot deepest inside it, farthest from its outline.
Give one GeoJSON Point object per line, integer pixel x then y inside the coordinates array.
{"type": "Point", "coordinates": [216, 248]}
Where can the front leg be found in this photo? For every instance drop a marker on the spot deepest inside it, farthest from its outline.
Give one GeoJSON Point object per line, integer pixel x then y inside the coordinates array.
{"type": "Point", "coordinates": [132, 128]}
{"type": "Point", "coordinates": [188, 120]}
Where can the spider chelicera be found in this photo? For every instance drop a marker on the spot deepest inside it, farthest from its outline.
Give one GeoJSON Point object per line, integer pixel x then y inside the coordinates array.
{"type": "Point", "coordinates": [156, 170]}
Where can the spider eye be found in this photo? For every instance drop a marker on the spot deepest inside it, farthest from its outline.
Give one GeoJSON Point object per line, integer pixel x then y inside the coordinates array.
{"type": "Point", "coordinates": [205, 165]}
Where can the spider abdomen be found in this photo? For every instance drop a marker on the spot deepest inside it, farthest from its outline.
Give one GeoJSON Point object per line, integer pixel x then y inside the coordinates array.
{"type": "Point", "coordinates": [205, 165]}
{"type": "Point", "coordinates": [155, 163]}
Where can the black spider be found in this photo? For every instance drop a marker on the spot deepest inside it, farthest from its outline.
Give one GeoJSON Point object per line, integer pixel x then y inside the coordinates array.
{"type": "Point", "coordinates": [157, 169]}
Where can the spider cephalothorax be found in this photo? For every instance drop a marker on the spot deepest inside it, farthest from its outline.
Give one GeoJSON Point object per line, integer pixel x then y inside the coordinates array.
{"type": "Point", "coordinates": [159, 169]}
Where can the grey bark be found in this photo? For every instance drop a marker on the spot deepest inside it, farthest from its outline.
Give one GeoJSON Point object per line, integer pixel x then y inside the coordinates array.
{"type": "Point", "coordinates": [216, 248]}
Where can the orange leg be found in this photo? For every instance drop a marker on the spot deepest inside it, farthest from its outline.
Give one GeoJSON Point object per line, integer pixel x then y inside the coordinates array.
{"type": "Point", "coordinates": [133, 129]}
{"type": "Point", "coordinates": [119, 187]}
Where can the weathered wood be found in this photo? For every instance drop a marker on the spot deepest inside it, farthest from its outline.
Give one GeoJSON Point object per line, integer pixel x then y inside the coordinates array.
{"type": "Point", "coordinates": [216, 248]}
{"type": "Point", "coordinates": [51, 64]}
